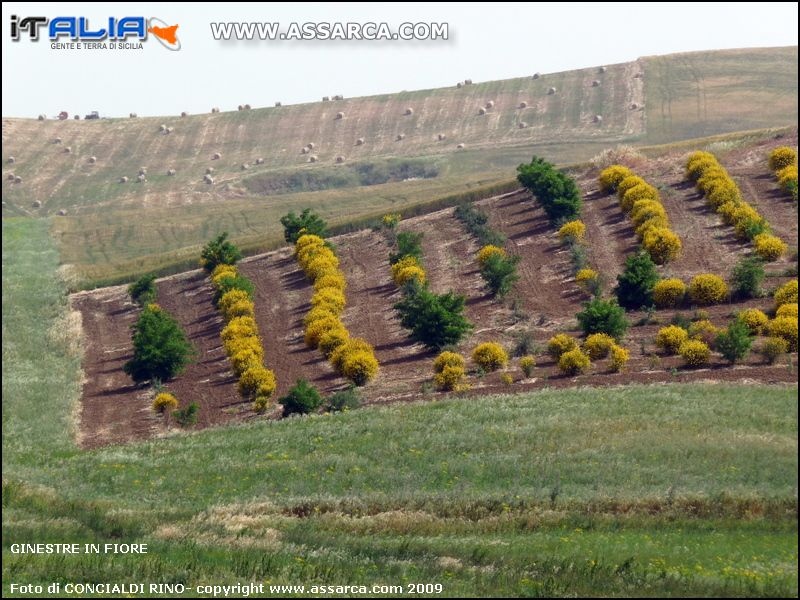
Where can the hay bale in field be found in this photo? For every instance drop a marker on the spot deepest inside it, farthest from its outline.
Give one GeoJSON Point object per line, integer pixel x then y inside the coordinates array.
{"type": "Point", "coordinates": [522, 124]}
{"type": "Point", "coordinates": [42, 117]}
{"type": "Point", "coordinates": [133, 115]}
{"type": "Point", "coordinates": [441, 137]}
{"type": "Point", "coordinates": [92, 160]}
{"type": "Point", "coordinates": [313, 158]}
{"type": "Point", "coordinates": [215, 109]}
{"type": "Point", "coordinates": [340, 159]}
{"type": "Point", "coordinates": [208, 179]}
{"type": "Point", "coordinates": [598, 119]}
{"type": "Point", "coordinates": [638, 76]}
{"type": "Point", "coordinates": [57, 140]}
{"type": "Point", "coordinates": [18, 179]}
{"type": "Point", "coordinates": [460, 146]}
{"type": "Point", "coordinates": [123, 179]}
{"type": "Point", "coordinates": [169, 130]}
{"type": "Point", "coordinates": [360, 142]}
{"type": "Point", "coordinates": [77, 117]}
{"type": "Point", "coordinates": [142, 170]}
{"type": "Point", "coordinates": [10, 177]}
{"type": "Point", "coordinates": [141, 178]}
{"type": "Point", "coordinates": [278, 104]}
{"type": "Point", "coordinates": [459, 85]}
{"type": "Point", "coordinates": [184, 114]}
{"type": "Point", "coordinates": [481, 111]}
{"type": "Point", "coordinates": [37, 204]}
{"type": "Point", "coordinates": [338, 97]}
{"type": "Point", "coordinates": [489, 104]}
{"type": "Point", "coordinates": [409, 111]}
{"type": "Point", "coordinates": [400, 136]}
{"type": "Point", "coordinates": [170, 172]}
{"type": "Point", "coordinates": [326, 99]}
{"type": "Point", "coordinates": [245, 166]}
{"type": "Point", "coordinates": [311, 145]}
{"type": "Point", "coordinates": [162, 127]}
{"type": "Point", "coordinates": [634, 106]}
{"type": "Point", "coordinates": [247, 107]}
{"type": "Point", "coordinates": [551, 91]}
{"type": "Point", "coordinates": [536, 75]}
{"type": "Point", "coordinates": [68, 150]}
{"type": "Point", "coordinates": [62, 213]}
{"type": "Point", "coordinates": [304, 150]}
{"type": "Point", "coordinates": [216, 156]}
{"type": "Point", "coordinates": [523, 104]}
{"type": "Point", "coordinates": [240, 107]}
{"type": "Point", "coordinates": [339, 116]}
{"type": "Point", "coordinates": [259, 161]}
{"type": "Point", "coordinates": [209, 170]}
{"type": "Point", "coordinates": [11, 160]}
{"type": "Point", "coordinates": [595, 83]}
{"type": "Point", "coordinates": [602, 70]}
{"type": "Point", "coordinates": [468, 82]}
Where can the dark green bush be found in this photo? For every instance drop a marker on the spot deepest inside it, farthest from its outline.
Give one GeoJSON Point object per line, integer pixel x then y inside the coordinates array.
{"type": "Point", "coordinates": [160, 348]}
{"type": "Point", "coordinates": [408, 244]}
{"type": "Point", "coordinates": [306, 222]}
{"type": "Point", "coordinates": [556, 192]}
{"type": "Point", "coordinates": [344, 400]}
{"type": "Point", "coordinates": [301, 399]}
{"type": "Point", "coordinates": [748, 275]}
{"type": "Point", "coordinates": [436, 320]}
{"type": "Point", "coordinates": [219, 251]}
{"type": "Point", "coordinates": [476, 222]}
{"type": "Point", "coordinates": [143, 290]}
{"type": "Point", "coordinates": [500, 273]}
{"type": "Point", "coordinates": [635, 284]}
{"type": "Point", "coordinates": [734, 342]}
{"type": "Point", "coordinates": [603, 316]}
{"type": "Point", "coordinates": [186, 417]}
{"type": "Point", "coordinates": [237, 282]}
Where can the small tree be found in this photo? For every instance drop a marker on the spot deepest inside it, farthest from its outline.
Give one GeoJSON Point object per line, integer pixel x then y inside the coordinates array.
{"type": "Point", "coordinates": [219, 251]}
{"type": "Point", "coordinates": [603, 316]}
{"type": "Point", "coordinates": [635, 284]}
{"type": "Point", "coordinates": [436, 320]}
{"type": "Point", "coordinates": [748, 275]}
{"type": "Point", "coordinates": [302, 398]}
{"type": "Point", "coordinates": [160, 348]}
{"type": "Point", "coordinates": [307, 222]}
{"type": "Point", "coordinates": [143, 290]}
{"type": "Point", "coordinates": [500, 273]}
{"type": "Point", "coordinates": [556, 192]}
{"type": "Point", "coordinates": [233, 282]}
{"type": "Point", "coordinates": [408, 244]}
{"type": "Point", "coordinates": [734, 343]}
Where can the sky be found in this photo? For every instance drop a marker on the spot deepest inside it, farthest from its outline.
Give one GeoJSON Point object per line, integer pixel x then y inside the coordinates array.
{"type": "Point", "coordinates": [486, 42]}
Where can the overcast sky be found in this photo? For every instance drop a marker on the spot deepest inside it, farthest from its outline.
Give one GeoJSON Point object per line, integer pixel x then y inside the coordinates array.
{"type": "Point", "coordinates": [487, 41]}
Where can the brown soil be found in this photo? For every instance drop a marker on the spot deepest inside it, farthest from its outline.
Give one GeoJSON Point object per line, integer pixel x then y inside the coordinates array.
{"type": "Point", "coordinates": [545, 302]}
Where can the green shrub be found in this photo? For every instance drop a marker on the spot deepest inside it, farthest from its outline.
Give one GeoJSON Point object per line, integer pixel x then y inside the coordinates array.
{"type": "Point", "coordinates": [233, 282]}
{"type": "Point", "coordinates": [219, 251]}
{"type": "Point", "coordinates": [556, 192]}
{"type": "Point", "coordinates": [302, 399]}
{"type": "Point", "coordinates": [526, 363]}
{"type": "Point", "coordinates": [307, 222]}
{"type": "Point", "coordinates": [186, 417]}
{"type": "Point", "coordinates": [160, 347]}
{"type": "Point", "coordinates": [773, 348]}
{"type": "Point", "coordinates": [748, 275]}
{"type": "Point", "coordinates": [436, 320]}
{"type": "Point", "coordinates": [343, 400]}
{"type": "Point", "coordinates": [635, 284]}
{"type": "Point", "coordinates": [408, 244]}
{"type": "Point", "coordinates": [500, 273]}
{"type": "Point", "coordinates": [734, 342]}
{"type": "Point", "coordinates": [143, 290]}
{"type": "Point", "coordinates": [476, 222]}
{"type": "Point", "coordinates": [603, 316]}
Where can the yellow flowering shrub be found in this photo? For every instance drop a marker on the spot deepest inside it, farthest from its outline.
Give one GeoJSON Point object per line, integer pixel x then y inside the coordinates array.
{"type": "Point", "coordinates": [649, 225]}
{"type": "Point", "coordinates": [643, 210]}
{"type": "Point", "coordinates": [448, 359]}
{"type": "Point", "coordinates": [619, 358]}
{"type": "Point", "coordinates": [769, 247]}
{"type": "Point", "coordinates": [331, 339]}
{"type": "Point", "coordinates": [359, 366]}
{"type": "Point", "coordinates": [755, 320]}
{"type": "Point", "coordinates": [222, 271]}
{"type": "Point", "coordinates": [598, 345]}
{"type": "Point", "coordinates": [330, 298]}
{"type": "Point", "coordinates": [703, 330]}
{"type": "Point", "coordinates": [507, 378]}
{"type": "Point", "coordinates": [786, 328]}
{"type": "Point", "coordinates": [390, 221]}
{"type": "Point", "coordinates": [629, 182]}
{"type": "Point", "coordinates": [323, 264]}
{"type": "Point", "coordinates": [489, 250]}
{"type": "Point", "coordinates": [306, 241]}
{"type": "Point", "coordinates": [351, 346]}
{"type": "Point", "coordinates": [698, 162]}
{"type": "Point", "coordinates": [490, 356]}
{"type": "Point", "coordinates": [257, 380]}
{"type": "Point", "coordinates": [573, 230]}
{"type": "Point", "coordinates": [316, 329]}
{"type": "Point", "coordinates": [712, 179]}
{"type": "Point", "coordinates": [403, 276]}
{"type": "Point", "coordinates": [245, 359]}
{"type": "Point", "coordinates": [320, 312]}
{"type": "Point", "coordinates": [262, 403]}
{"type": "Point", "coordinates": [243, 308]}
{"type": "Point", "coordinates": [404, 263]}
{"type": "Point", "coordinates": [165, 402]}
{"type": "Point", "coordinates": [574, 362]}
{"type": "Point", "coordinates": [787, 310]}
{"type": "Point", "coordinates": [694, 353]}
{"type": "Point", "coordinates": [727, 212]}
{"type": "Point", "coordinates": [559, 344]}
{"type": "Point", "coordinates": [643, 191]}
{"type": "Point", "coordinates": [450, 378]}
{"type": "Point", "coordinates": [670, 338]}
{"type": "Point", "coordinates": [238, 328]}
{"type": "Point", "coordinates": [612, 176]}
{"type": "Point", "coordinates": [230, 298]}
{"type": "Point", "coordinates": [781, 157]}
{"type": "Point", "coordinates": [526, 363]}
{"type": "Point", "coordinates": [786, 294]}
{"type": "Point", "coordinates": [707, 289]}
{"type": "Point", "coordinates": [585, 276]}
{"type": "Point", "coordinates": [724, 193]}
{"type": "Point", "coordinates": [663, 245]}
{"type": "Point", "coordinates": [330, 280]}
{"type": "Point", "coordinates": [669, 293]}
{"type": "Point", "coordinates": [773, 348]}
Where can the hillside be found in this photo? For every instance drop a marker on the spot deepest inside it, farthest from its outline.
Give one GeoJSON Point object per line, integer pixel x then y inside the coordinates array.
{"type": "Point", "coordinates": [112, 229]}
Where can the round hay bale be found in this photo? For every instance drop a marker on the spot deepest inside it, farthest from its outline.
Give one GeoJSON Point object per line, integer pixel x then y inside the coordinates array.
{"type": "Point", "coordinates": [142, 170]}
{"type": "Point", "coordinates": [11, 160]}
{"type": "Point", "coordinates": [10, 177]}
{"type": "Point", "coordinates": [602, 70]}
{"type": "Point", "coordinates": [170, 172]}
{"type": "Point", "coordinates": [37, 204]}
{"type": "Point", "coordinates": [247, 107]}
{"type": "Point", "coordinates": [595, 83]}
{"type": "Point", "coordinates": [141, 178]}
{"type": "Point", "coordinates": [123, 179]}
{"type": "Point", "coordinates": [311, 145]}
{"type": "Point", "coordinates": [57, 140]}
{"type": "Point", "coordinates": [304, 150]}
{"type": "Point", "coordinates": [338, 97]}
{"type": "Point", "coordinates": [313, 158]}
{"type": "Point", "coordinates": [537, 75]}
{"type": "Point", "coordinates": [468, 82]}
{"type": "Point", "coordinates": [133, 115]}
{"type": "Point", "coordinates": [360, 142]}
{"type": "Point", "coordinates": [162, 127]}
{"type": "Point", "coordinates": [637, 76]}
{"type": "Point", "coordinates": [490, 104]}
{"type": "Point", "coordinates": [340, 159]}
{"type": "Point", "coordinates": [245, 166]}
{"type": "Point", "coordinates": [92, 160]}
{"type": "Point", "coordinates": [68, 150]}
{"type": "Point", "coordinates": [460, 146]}
{"type": "Point", "coordinates": [400, 136]}
{"type": "Point", "coordinates": [18, 179]}
{"type": "Point", "coordinates": [241, 107]}
{"type": "Point", "coordinates": [523, 104]}
{"type": "Point", "coordinates": [441, 137]}
{"type": "Point", "coordinates": [259, 161]}
{"type": "Point", "coordinates": [551, 91]}
{"type": "Point", "coordinates": [208, 179]}
{"type": "Point", "coordinates": [598, 119]}
{"type": "Point", "coordinates": [481, 111]}
{"type": "Point", "coordinates": [184, 114]}
{"type": "Point", "coordinates": [215, 109]}
{"type": "Point", "coordinates": [409, 111]}
{"type": "Point", "coordinates": [169, 130]}
{"type": "Point", "coordinates": [339, 116]}
{"type": "Point", "coordinates": [522, 124]}
{"type": "Point", "coordinates": [278, 104]}
{"type": "Point", "coordinates": [326, 99]}
{"type": "Point", "coordinates": [77, 117]}
{"type": "Point", "coordinates": [42, 117]}
{"type": "Point", "coordinates": [634, 106]}
{"type": "Point", "coordinates": [209, 170]}
{"type": "Point", "coordinates": [62, 213]}
{"type": "Point", "coordinates": [459, 85]}
{"type": "Point", "coordinates": [216, 156]}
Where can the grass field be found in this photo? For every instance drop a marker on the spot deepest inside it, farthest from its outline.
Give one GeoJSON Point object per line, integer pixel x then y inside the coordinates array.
{"type": "Point", "coordinates": [663, 490]}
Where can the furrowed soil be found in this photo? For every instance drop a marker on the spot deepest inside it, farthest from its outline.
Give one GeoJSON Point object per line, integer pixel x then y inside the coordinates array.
{"type": "Point", "coordinates": [544, 302]}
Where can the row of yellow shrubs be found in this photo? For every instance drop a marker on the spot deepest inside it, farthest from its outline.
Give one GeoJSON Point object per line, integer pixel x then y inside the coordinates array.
{"type": "Point", "coordinates": [573, 232]}
{"type": "Point", "coordinates": [723, 195]}
{"type": "Point", "coordinates": [783, 162]}
{"type": "Point", "coordinates": [642, 203]}
{"type": "Point", "coordinates": [353, 358]}
{"type": "Point", "coordinates": [574, 359]}
{"type": "Point", "coordinates": [242, 342]}
{"type": "Point", "coordinates": [449, 368]}
{"type": "Point", "coordinates": [703, 290]}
